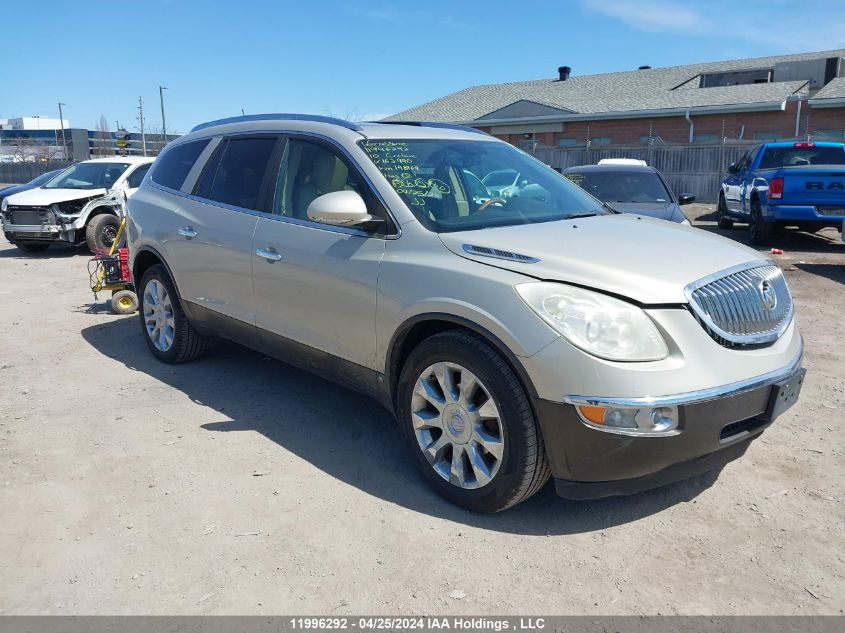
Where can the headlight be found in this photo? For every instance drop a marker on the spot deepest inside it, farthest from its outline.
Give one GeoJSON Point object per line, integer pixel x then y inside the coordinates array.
{"type": "Point", "coordinates": [598, 324]}
{"type": "Point", "coordinates": [4, 205]}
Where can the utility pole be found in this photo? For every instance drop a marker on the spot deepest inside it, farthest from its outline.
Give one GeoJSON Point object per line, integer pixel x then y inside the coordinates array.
{"type": "Point", "coordinates": [141, 116]}
{"type": "Point", "coordinates": [161, 90]}
{"type": "Point", "coordinates": [62, 125]}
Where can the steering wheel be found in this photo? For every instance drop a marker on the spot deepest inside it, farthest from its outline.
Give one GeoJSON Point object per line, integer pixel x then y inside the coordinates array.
{"type": "Point", "coordinates": [484, 205]}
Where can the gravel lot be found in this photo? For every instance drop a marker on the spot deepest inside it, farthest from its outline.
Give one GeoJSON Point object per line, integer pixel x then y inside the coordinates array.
{"type": "Point", "coordinates": [239, 485]}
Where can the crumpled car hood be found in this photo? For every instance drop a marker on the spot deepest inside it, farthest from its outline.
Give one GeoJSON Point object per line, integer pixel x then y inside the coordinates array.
{"type": "Point", "coordinates": [647, 260]}
{"type": "Point", "coordinates": [44, 197]}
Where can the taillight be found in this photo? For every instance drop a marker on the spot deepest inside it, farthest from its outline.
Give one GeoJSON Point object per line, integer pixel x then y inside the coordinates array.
{"type": "Point", "coordinates": [804, 144]}
{"type": "Point", "coordinates": [776, 188]}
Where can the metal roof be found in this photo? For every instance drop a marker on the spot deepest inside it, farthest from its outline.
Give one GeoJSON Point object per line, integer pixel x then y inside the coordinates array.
{"type": "Point", "coordinates": [652, 89]}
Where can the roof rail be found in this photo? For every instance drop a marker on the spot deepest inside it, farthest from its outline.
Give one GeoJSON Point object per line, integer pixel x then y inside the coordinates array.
{"type": "Point", "coordinates": [445, 126]}
{"type": "Point", "coordinates": [280, 117]}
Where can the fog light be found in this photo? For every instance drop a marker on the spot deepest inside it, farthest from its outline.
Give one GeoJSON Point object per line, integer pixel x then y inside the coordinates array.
{"type": "Point", "coordinates": [631, 420]}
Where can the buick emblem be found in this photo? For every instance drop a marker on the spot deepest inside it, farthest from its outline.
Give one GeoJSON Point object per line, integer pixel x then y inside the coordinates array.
{"type": "Point", "coordinates": [768, 295]}
{"type": "Point", "coordinates": [457, 423]}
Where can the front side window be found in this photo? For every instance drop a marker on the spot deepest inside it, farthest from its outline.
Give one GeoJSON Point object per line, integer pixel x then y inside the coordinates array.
{"type": "Point", "coordinates": [309, 170]}
{"type": "Point", "coordinates": [439, 181]}
{"type": "Point", "coordinates": [88, 176]}
{"type": "Point", "coordinates": [621, 186]}
{"type": "Point", "coordinates": [173, 166]}
{"type": "Point", "coordinates": [237, 180]}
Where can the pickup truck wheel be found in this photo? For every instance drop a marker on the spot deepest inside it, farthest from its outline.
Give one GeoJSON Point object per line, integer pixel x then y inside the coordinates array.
{"type": "Point", "coordinates": [32, 247]}
{"type": "Point", "coordinates": [759, 231]}
{"type": "Point", "coordinates": [101, 231]}
{"type": "Point", "coordinates": [166, 328]}
{"type": "Point", "coordinates": [724, 222]}
{"type": "Point", "coordinates": [469, 424]}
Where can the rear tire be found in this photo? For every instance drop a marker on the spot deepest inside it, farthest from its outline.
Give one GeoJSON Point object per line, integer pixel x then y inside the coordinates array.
{"type": "Point", "coordinates": [101, 231]}
{"type": "Point", "coordinates": [724, 222]}
{"type": "Point", "coordinates": [501, 458]}
{"type": "Point", "coordinates": [759, 231]}
{"type": "Point", "coordinates": [166, 328]}
{"type": "Point", "coordinates": [32, 247]}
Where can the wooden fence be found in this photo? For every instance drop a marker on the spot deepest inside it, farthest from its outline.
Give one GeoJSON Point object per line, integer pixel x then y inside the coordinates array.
{"type": "Point", "coordinates": [695, 169]}
{"type": "Point", "coordinates": [18, 173]}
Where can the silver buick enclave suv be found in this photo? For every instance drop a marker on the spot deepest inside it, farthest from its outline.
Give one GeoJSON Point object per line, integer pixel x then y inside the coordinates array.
{"type": "Point", "coordinates": [515, 335]}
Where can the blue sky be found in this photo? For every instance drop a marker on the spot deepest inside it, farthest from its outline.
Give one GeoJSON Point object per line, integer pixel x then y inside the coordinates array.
{"type": "Point", "coordinates": [359, 59]}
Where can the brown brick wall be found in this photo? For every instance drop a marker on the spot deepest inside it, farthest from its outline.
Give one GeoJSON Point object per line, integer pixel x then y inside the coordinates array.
{"type": "Point", "coordinates": [676, 129]}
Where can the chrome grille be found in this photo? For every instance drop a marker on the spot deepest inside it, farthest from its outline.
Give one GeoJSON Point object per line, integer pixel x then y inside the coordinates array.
{"type": "Point", "coordinates": [748, 305]}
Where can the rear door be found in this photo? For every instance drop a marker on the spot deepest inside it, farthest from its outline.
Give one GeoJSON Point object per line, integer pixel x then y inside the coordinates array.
{"type": "Point", "coordinates": [315, 284]}
{"type": "Point", "coordinates": [211, 248]}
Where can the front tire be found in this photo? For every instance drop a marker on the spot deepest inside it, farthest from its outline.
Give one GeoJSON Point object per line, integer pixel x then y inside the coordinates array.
{"type": "Point", "coordinates": [101, 231]}
{"type": "Point", "coordinates": [469, 424]}
{"type": "Point", "coordinates": [759, 231]}
{"type": "Point", "coordinates": [724, 222]}
{"type": "Point", "coordinates": [166, 328]}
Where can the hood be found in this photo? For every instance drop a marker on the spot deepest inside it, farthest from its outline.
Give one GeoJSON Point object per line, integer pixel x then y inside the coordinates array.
{"type": "Point", "coordinates": [44, 197]}
{"type": "Point", "coordinates": [13, 189]}
{"type": "Point", "coordinates": [659, 210]}
{"type": "Point", "coordinates": [649, 261]}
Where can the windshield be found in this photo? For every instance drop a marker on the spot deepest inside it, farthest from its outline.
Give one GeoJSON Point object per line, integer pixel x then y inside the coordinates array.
{"type": "Point", "coordinates": [40, 180]}
{"type": "Point", "coordinates": [439, 181]}
{"type": "Point", "coordinates": [795, 156]}
{"type": "Point", "coordinates": [622, 186]}
{"type": "Point", "coordinates": [88, 176]}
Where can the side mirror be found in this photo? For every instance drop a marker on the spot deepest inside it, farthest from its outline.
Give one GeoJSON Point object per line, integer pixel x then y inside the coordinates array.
{"type": "Point", "coordinates": [339, 208]}
{"type": "Point", "coordinates": [732, 168]}
{"type": "Point", "coordinates": [686, 198]}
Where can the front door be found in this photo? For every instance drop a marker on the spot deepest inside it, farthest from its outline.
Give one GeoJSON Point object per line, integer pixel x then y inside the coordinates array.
{"type": "Point", "coordinates": [315, 284]}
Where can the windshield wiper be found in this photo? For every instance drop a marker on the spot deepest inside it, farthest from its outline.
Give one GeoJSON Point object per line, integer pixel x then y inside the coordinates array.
{"type": "Point", "coordinates": [582, 214]}
{"type": "Point", "coordinates": [609, 208]}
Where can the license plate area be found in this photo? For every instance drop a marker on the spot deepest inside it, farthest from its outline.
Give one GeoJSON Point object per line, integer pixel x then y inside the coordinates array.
{"type": "Point", "coordinates": [784, 394]}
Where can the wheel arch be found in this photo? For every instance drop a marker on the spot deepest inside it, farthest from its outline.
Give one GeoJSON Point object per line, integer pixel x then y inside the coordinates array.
{"type": "Point", "coordinates": [422, 326]}
{"type": "Point", "coordinates": [100, 210]}
{"type": "Point", "coordinates": [145, 258]}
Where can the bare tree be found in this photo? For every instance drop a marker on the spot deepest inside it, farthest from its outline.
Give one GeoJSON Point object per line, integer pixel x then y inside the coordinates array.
{"type": "Point", "coordinates": [102, 138]}
{"type": "Point", "coordinates": [155, 138]}
{"type": "Point", "coordinates": [30, 150]}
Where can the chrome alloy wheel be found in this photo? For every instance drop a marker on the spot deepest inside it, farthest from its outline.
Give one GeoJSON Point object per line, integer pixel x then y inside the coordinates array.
{"type": "Point", "coordinates": [457, 425]}
{"type": "Point", "coordinates": [158, 315]}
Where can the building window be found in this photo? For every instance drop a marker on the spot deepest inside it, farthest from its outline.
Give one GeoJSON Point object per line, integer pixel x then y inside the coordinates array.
{"type": "Point", "coordinates": [567, 142]}
{"type": "Point", "coordinates": [527, 144]}
{"type": "Point", "coordinates": [600, 140]}
{"type": "Point", "coordinates": [705, 138]}
{"type": "Point", "coordinates": [766, 136]}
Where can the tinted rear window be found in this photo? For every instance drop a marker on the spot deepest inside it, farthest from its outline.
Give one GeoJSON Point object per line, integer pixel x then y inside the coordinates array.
{"type": "Point", "coordinates": [172, 169]}
{"type": "Point", "coordinates": [622, 186]}
{"type": "Point", "coordinates": [797, 156]}
{"type": "Point", "coordinates": [241, 171]}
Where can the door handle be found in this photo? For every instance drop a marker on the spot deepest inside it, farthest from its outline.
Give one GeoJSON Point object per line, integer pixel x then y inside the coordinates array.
{"type": "Point", "coordinates": [186, 231]}
{"type": "Point", "coordinates": [269, 254]}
